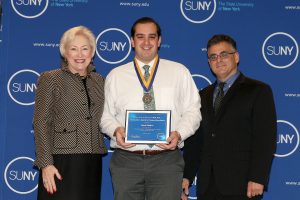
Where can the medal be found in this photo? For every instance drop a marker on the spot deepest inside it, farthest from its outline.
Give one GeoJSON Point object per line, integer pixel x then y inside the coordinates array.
{"type": "Point", "coordinates": [147, 98]}
{"type": "Point", "coordinates": [147, 83]}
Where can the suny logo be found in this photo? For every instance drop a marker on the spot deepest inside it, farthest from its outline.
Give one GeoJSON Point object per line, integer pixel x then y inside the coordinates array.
{"type": "Point", "coordinates": [287, 139]}
{"type": "Point", "coordinates": [20, 176]}
{"type": "Point", "coordinates": [113, 45]}
{"type": "Point", "coordinates": [201, 81]}
{"type": "Point", "coordinates": [22, 85]}
{"type": "Point", "coordinates": [280, 50]}
{"type": "Point", "coordinates": [29, 8]}
{"type": "Point", "coordinates": [198, 11]}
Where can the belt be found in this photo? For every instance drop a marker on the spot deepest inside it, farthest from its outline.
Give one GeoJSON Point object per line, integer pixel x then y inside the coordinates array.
{"type": "Point", "coordinates": [147, 152]}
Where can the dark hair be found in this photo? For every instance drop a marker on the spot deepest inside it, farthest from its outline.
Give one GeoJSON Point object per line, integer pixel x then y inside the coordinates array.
{"type": "Point", "coordinates": [145, 20]}
{"type": "Point", "coordinates": [216, 39]}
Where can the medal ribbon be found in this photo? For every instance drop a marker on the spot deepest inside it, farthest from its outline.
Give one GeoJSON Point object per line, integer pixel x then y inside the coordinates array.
{"type": "Point", "coordinates": [147, 85]}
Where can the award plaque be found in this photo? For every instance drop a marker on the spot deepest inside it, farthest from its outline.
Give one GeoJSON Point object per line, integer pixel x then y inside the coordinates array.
{"type": "Point", "coordinates": [147, 127]}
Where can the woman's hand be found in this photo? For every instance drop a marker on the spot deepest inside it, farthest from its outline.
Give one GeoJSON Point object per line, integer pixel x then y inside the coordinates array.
{"type": "Point", "coordinates": [48, 174]}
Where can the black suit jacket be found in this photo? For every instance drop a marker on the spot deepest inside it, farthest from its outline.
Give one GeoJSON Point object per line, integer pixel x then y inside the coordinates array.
{"type": "Point", "coordinates": [238, 142]}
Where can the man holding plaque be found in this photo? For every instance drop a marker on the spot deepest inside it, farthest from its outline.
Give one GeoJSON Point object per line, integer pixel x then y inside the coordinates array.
{"type": "Point", "coordinates": [151, 106]}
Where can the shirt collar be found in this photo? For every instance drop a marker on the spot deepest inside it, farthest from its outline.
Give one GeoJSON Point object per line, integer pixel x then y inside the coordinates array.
{"type": "Point", "coordinates": [230, 80]}
{"type": "Point", "coordinates": [141, 64]}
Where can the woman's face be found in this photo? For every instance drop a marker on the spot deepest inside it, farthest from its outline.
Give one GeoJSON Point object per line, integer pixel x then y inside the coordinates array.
{"type": "Point", "coordinates": [79, 55]}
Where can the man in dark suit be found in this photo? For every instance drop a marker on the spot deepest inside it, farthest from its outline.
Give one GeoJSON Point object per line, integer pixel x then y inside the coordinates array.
{"type": "Point", "coordinates": [232, 151]}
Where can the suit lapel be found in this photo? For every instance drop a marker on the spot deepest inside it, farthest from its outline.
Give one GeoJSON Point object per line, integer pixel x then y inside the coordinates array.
{"type": "Point", "coordinates": [209, 99]}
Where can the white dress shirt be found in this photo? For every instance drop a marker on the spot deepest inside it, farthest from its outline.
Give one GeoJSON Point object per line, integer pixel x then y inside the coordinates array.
{"type": "Point", "coordinates": [174, 89]}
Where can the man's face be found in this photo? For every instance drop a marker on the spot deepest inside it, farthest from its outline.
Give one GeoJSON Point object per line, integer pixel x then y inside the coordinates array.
{"type": "Point", "coordinates": [226, 60]}
{"type": "Point", "coordinates": [145, 42]}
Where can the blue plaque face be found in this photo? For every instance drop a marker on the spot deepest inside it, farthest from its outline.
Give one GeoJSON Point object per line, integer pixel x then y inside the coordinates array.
{"type": "Point", "coordinates": [147, 127]}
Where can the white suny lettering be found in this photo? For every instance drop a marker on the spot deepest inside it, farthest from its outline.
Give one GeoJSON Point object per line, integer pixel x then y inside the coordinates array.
{"type": "Point", "coordinates": [29, 175]}
{"type": "Point", "coordinates": [190, 5]}
{"type": "Point", "coordinates": [290, 49]}
{"type": "Point", "coordinates": [29, 2]}
{"type": "Point", "coordinates": [115, 46]}
{"type": "Point", "coordinates": [26, 87]}
{"type": "Point", "coordinates": [285, 139]}
{"type": "Point", "coordinates": [281, 50]}
{"type": "Point", "coordinates": [22, 175]}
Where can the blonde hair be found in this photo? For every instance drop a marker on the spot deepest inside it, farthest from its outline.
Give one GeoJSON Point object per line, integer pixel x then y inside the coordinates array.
{"type": "Point", "coordinates": [70, 34]}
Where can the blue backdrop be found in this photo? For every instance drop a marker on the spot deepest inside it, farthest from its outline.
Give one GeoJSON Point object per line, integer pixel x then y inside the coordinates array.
{"type": "Point", "coordinates": [267, 34]}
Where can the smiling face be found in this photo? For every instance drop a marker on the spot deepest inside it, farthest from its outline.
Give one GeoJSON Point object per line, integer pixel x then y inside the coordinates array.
{"type": "Point", "coordinates": [225, 67]}
{"type": "Point", "coordinates": [79, 54]}
{"type": "Point", "coordinates": [145, 42]}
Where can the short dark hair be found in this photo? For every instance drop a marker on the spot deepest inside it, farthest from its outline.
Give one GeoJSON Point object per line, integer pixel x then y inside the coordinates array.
{"type": "Point", "coordinates": [216, 39]}
{"type": "Point", "coordinates": [145, 20]}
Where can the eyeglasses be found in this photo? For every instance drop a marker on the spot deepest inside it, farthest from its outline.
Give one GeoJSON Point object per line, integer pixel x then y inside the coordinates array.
{"type": "Point", "coordinates": [222, 55]}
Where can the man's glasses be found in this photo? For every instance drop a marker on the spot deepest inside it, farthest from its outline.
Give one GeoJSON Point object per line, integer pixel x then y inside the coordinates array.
{"type": "Point", "coordinates": [222, 55]}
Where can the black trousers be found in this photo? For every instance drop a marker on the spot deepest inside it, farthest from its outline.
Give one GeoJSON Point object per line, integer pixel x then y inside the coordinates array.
{"type": "Point", "coordinates": [212, 193]}
{"type": "Point", "coordinates": [81, 175]}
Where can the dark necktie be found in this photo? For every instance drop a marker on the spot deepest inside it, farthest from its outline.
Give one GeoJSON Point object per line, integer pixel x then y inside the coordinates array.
{"type": "Point", "coordinates": [219, 97]}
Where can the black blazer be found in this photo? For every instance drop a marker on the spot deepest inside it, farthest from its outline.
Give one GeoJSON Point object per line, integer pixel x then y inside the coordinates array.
{"type": "Point", "coordinates": [238, 142]}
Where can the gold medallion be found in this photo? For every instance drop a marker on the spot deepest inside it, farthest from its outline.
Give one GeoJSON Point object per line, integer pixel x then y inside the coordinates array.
{"type": "Point", "coordinates": [147, 98]}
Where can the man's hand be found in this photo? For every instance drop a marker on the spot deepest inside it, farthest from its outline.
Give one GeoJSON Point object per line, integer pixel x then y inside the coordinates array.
{"type": "Point", "coordinates": [185, 189]}
{"type": "Point", "coordinates": [254, 189]}
{"type": "Point", "coordinates": [48, 174]}
{"type": "Point", "coordinates": [120, 138]}
{"type": "Point", "coordinates": [172, 141]}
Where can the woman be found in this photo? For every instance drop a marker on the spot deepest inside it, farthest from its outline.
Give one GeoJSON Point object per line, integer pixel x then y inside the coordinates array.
{"type": "Point", "coordinates": [68, 107]}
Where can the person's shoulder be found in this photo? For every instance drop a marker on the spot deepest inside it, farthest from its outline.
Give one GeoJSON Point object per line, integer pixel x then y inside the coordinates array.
{"type": "Point", "coordinates": [97, 78]}
{"type": "Point", "coordinates": [172, 63]}
{"type": "Point", "coordinates": [96, 75]}
{"type": "Point", "coordinates": [51, 74]}
{"type": "Point", "coordinates": [206, 89]}
{"type": "Point", "coordinates": [174, 66]}
{"type": "Point", "coordinates": [120, 70]}
{"type": "Point", "coordinates": [254, 83]}
{"type": "Point", "coordinates": [49, 78]}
